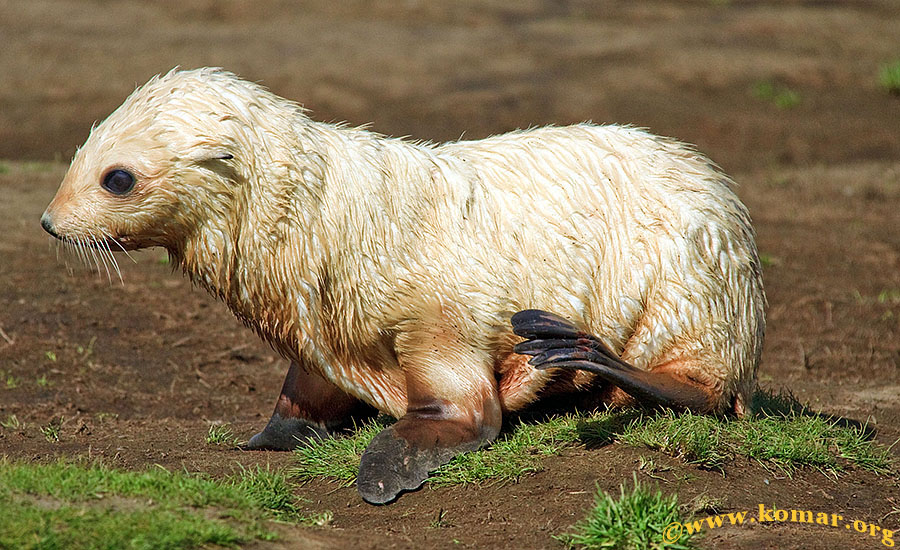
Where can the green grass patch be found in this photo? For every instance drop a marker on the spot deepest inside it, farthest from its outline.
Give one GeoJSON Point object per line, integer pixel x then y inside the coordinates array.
{"type": "Point", "coordinates": [768, 260]}
{"type": "Point", "coordinates": [48, 524]}
{"type": "Point", "coordinates": [636, 520]}
{"type": "Point", "coordinates": [52, 429]}
{"type": "Point", "coordinates": [886, 296]}
{"type": "Point", "coordinates": [515, 453]}
{"type": "Point", "coordinates": [518, 452]}
{"type": "Point", "coordinates": [696, 439]}
{"type": "Point", "coordinates": [889, 77]}
{"type": "Point", "coordinates": [11, 423]}
{"type": "Point", "coordinates": [782, 435]}
{"type": "Point", "coordinates": [10, 381]}
{"type": "Point", "coordinates": [71, 506]}
{"type": "Point", "coordinates": [781, 96]}
{"type": "Point", "coordinates": [889, 296]}
{"type": "Point", "coordinates": [221, 434]}
{"type": "Point", "coordinates": [335, 458]}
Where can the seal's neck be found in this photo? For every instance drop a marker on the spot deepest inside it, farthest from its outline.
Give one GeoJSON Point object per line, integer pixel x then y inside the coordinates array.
{"type": "Point", "coordinates": [257, 252]}
{"type": "Point", "coordinates": [298, 254]}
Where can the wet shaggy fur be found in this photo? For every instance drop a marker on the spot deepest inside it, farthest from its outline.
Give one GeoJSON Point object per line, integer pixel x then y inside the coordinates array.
{"type": "Point", "coordinates": [387, 266]}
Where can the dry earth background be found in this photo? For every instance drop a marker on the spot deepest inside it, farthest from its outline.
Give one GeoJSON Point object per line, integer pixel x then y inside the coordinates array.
{"type": "Point", "coordinates": [137, 373]}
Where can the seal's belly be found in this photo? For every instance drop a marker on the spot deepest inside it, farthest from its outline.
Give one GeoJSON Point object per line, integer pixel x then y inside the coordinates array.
{"type": "Point", "coordinates": [382, 386]}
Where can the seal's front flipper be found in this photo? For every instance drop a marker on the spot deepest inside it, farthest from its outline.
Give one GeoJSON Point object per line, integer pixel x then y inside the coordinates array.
{"type": "Point", "coordinates": [401, 456]}
{"type": "Point", "coordinates": [452, 407]}
{"type": "Point", "coordinates": [431, 433]}
{"type": "Point", "coordinates": [556, 343]}
{"type": "Point", "coordinates": [309, 408]}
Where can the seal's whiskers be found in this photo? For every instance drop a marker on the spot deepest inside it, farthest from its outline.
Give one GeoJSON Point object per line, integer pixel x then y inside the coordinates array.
{"type": "Point", "coordinates": [93, 252]}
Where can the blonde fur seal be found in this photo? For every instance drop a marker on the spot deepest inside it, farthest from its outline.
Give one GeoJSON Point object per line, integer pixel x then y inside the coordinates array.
{"type": "Point", "coordinates": [387, 272]}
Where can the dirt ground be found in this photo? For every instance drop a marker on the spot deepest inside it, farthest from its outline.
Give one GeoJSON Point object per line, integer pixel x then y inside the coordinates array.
{"type": "Point", "coordinates": [136, 373]}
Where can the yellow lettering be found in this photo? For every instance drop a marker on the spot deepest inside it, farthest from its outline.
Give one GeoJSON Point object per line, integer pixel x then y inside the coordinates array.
{"type": "Point", "coordinates": [740, 518]}
{"type": "Point", "coordinates": [694, 526]}
{"type": "Point", "coordinates": [802, 516]}
{"type": "Point", "coordinates": [714, 521]}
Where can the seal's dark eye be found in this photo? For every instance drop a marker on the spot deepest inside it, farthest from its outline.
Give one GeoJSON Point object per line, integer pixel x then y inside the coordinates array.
{"type": "Point", "coordinates": [118, 181]}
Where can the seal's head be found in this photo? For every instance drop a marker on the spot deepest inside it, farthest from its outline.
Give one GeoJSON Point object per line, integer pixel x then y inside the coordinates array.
{"type": "Point", "coordinates": [163, 159]}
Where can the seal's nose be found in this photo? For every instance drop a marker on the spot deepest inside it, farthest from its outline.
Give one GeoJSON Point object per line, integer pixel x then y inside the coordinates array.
{"type": "Point", "coordinates": [48, 225]}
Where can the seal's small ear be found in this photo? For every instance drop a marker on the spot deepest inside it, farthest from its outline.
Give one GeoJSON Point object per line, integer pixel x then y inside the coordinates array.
{"type": "Point", "coordinates": [217, 160]}
{"type": "Point", "coordinates": [204, 155]}
{"type": "Point", "coordinates": [213, 155]}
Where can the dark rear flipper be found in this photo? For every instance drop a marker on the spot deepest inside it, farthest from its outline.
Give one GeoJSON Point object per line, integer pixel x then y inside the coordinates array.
{"type": "Point", "coordinates": [554, 342]}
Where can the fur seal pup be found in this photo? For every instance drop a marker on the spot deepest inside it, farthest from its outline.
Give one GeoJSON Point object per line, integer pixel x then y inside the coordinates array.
{"type": "Point", "coordinates": [389, 273]}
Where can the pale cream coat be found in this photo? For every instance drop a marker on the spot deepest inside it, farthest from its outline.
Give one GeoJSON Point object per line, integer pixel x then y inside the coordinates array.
{"type": "Point", "coordinates": [375, 261]}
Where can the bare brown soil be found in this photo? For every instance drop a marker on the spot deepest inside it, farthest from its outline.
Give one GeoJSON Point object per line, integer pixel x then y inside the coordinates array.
{"type": "Point", "coordinates": [136, 374]}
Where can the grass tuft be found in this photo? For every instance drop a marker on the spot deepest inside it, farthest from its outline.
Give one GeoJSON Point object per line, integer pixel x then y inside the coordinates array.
{"type": "Point", "coordinates": [267, 490]}
{"type": "Point", "coordinates": [770, 403]}
{"type": "Point", "coordinates": [11, 382]}
{"type": "Point", "coordinates": [52, 429]}
{"type": "Point", "coordinates": [783, 434]}
{"type": "Point", "coordinates": [696, 439]}
{"type": "Point", "coordinates": [12, 422]}
{"type": "Point", "coordinates": [335, 458]}
{"type": "Point", "coordinates": [786, 443]}
{"type": "Point", "coordinates": [221, 434]}
{"type": "Point", "coordinates": [768, 260]}
{"type": "Point", "coordinates": [634, 521]}
{"type": "Point", "coordinates": [319, 519]}
{"type": "Point", "coordinates": [889, 77]}
{"type": "Point", "coordinates": [705, 504]}
{"type": "Point", "coordinates": [512, 455]}
{"type": "Point", "coordinates": [781, 96]}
